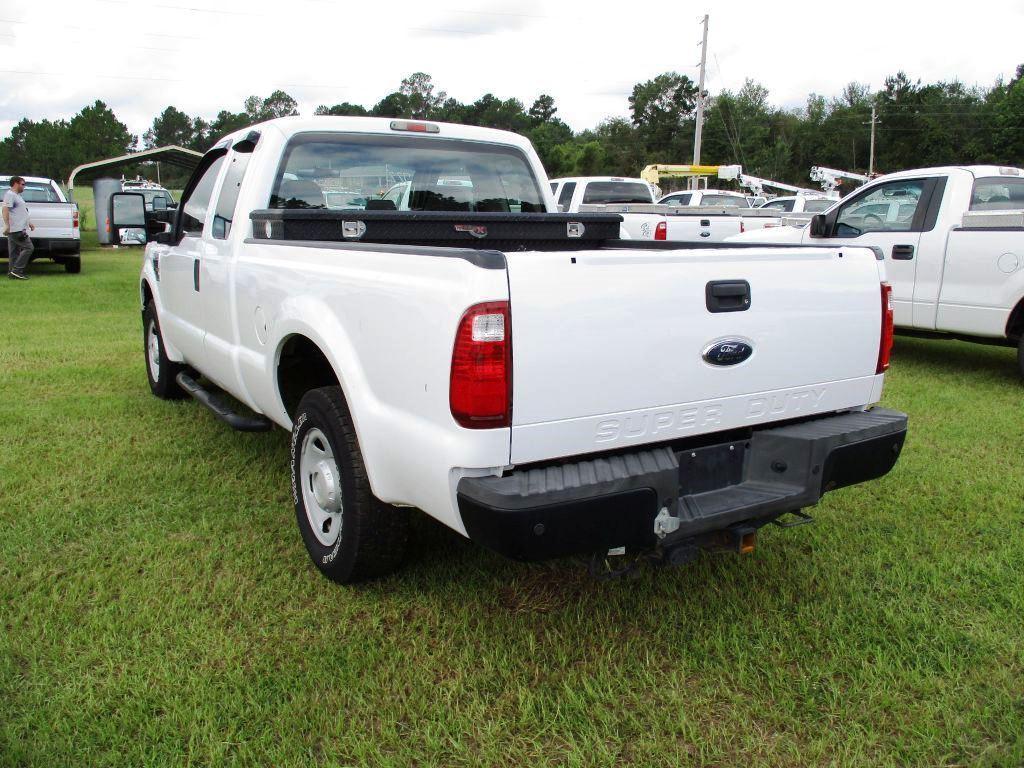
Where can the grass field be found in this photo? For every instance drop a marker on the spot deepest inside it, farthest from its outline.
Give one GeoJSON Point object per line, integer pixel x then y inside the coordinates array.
{"type": "Point", "coordinates": [157, 606]}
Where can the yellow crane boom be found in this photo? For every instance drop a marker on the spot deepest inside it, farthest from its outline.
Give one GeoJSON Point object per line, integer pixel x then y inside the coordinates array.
{"type": "Point", "coordinates": [654, 173]}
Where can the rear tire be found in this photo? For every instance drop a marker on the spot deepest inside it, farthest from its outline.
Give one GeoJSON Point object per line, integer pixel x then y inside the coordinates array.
{"type": "Point", "coordinates": [160, 371]}
{"type": "Point", "coordinates": [1020, 356]}
{"type": "Point", "coordinates": [72, 265]}
{"type": "Point", "coordinates": [349, 534]}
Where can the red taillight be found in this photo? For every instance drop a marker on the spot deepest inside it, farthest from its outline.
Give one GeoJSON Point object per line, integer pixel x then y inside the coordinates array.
{"type": "Point", "coordinates": [885, 343]}
{"type": "Point", "coordinates": [480, 394]}
{"type": "Point", "coordinates": [74, 220]}
{"type": "Point", "coordinates": [742, 228]}
{"type": "Point", "coordinates": [661, 231]}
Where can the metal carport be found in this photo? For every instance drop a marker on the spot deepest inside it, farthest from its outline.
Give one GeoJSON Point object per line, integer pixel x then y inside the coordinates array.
{"type": "Point", "coordinates": [172, 155]}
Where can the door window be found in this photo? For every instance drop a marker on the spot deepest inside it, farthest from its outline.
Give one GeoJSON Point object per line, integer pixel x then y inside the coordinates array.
{"type": "Point", "coordinates": [566, 195]}
{"type": "Point", "coordinates": [225, 211]}
{"type": "Point", "coordinates": [195, 206]}
{"type": "Point", "coordinates": [678, 200]}
{"type": "Point", "coordinates": [890, 207]}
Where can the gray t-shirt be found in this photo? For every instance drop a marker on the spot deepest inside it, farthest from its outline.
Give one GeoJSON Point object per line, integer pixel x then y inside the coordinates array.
{"type": "Point", "coordinates": [17, 211]}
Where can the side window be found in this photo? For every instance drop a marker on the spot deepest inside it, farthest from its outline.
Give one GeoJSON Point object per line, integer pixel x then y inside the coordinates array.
{"type": "Point", "coordinates": [890, 207]}
{"type": "Point", "coordinates": [817, 206]}
{"type": "Point", "coordinates": [681, 200]}
{"type": "Point", "coordinates": [225, 211]}
{"type": "Point", "coordinates": [566, 197]}
{"type": "Point", "coordinates": [195, 207]}
{"type": "Point", "coordinates": [554, 186]}
{"type": "Point", "coordinates": [1003, 193]}
{"type": "Point", "coordinates": [779, 205]}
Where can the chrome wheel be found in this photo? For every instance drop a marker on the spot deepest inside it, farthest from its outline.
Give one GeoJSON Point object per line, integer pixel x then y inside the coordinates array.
{"type": "Point", "coordinates": [321, 487]}
{"type": "Point", "coordinates": [153, 350]}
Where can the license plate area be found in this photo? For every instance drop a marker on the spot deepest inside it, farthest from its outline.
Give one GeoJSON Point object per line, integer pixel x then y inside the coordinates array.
{"type": "Point", "coordinates": [711, 467]}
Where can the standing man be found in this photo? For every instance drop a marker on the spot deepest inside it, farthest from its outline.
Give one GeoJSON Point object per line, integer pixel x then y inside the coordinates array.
{"type": "Point", "coordinates": [16, 227]}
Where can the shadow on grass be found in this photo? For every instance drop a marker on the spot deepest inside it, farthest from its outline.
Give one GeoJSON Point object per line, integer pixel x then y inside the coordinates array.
{"type": "Point", "coordinates": [944, 357]}
{"type": "Point", "coordinates": [441, 564]}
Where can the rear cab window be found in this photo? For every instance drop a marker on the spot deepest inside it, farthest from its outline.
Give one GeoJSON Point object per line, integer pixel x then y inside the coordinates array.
{"type": "Point", "coordinates": [726, 201]}
{"type": "Point", "coordinates": [330, 170]}
{"type": "Point", "coordinates": [34, 192]}
{"type": "Point", "coordinates": [617, 192]}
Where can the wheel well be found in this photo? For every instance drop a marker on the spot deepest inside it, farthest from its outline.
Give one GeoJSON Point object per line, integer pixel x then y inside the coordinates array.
{"type": "Point", "coordinates": [1015, 325]}
{"type": "Point", "coordinates": [147, 293]}
{"type": "Point", "coordinates": [300, 368]}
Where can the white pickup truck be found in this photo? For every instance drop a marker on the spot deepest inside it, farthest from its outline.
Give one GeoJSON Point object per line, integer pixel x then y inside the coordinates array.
{"type": "Point", "coordinates": [643, 219]}
{"type": "Point", "coordinates": [526, 378]}
{"type": "Point", "coordinates": [57, 233]}
{"type": "Point", "coordinates": [953, 242]}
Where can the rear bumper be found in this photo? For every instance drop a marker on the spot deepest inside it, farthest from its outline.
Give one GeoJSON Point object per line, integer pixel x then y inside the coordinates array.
{"type": "Point", "coordinates": [600, 504]}
{"type": "Point", "coordinates": [48, 246]}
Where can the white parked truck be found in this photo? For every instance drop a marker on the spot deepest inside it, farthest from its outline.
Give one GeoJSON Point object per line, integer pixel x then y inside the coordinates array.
{"type": "Point", "coordinates": [57, 232]}
{"type": "Point", "coordinates": [526, 378]}
{"type": "Point", "coordinates": [953, 243]}
{"type": "Point", "coordinates": [672, 221]}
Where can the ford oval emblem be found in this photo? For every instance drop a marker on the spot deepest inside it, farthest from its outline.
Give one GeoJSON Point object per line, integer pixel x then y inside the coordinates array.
{"type": "Point", "coordinates": [728, 352]}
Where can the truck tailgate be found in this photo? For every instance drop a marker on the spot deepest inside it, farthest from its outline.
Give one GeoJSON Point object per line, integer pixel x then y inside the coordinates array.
{"type": "Point", "coordinates": [608, 346]}
{"type": "Point", "coordinates": [53, 220]}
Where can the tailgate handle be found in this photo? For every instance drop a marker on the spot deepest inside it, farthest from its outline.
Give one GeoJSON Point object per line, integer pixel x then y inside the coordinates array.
{"type": "Point", "coordinates": [903, 252]}
{"type": "Point", "coordinates": [727, 295]}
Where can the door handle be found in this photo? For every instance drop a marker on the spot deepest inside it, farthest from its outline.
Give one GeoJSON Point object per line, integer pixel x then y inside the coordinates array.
{"type": "Point", "coordinates": [902, 252]}
{"type": "Point", "coordinates": [727, 295]}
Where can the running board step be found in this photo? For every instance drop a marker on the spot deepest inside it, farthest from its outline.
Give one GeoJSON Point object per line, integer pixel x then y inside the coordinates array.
{"type": "Point", "coordinates": [221, 409]}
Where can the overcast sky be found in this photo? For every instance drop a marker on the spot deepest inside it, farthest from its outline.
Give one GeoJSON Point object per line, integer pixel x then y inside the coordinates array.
{"type": "Point", "coordinates": [203, 56]}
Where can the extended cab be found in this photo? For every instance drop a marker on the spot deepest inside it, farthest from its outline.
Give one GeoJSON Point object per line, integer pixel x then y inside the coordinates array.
{"type": "Point", "coordinates": [519, 374]}
{"type": "Point", "coordinates": [57, 232]}
{"type": "Point", "coordinates": [953, 243]}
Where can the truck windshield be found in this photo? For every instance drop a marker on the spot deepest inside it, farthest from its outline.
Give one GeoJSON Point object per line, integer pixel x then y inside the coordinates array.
{"type": "Point", "coordinates": [35, 192]}
{"type": "Point", "coordinates": [726, 201]}
{"type": "Point", "coordinates": [617, 192]}
{"type": "Point", "coordinates": [335, 170]}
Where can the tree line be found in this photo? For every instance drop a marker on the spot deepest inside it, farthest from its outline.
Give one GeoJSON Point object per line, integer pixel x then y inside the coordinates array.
{"type": "Point", "coordinates": [919, 125]}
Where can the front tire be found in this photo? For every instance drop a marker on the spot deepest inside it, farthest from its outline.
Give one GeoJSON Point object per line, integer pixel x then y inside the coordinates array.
{"type": "Point", "coordinates": [1020, 356]}
{"type": "Point", "coordinates": [160, 371]}
{"type": "Point", "coordinates": [349, 534]}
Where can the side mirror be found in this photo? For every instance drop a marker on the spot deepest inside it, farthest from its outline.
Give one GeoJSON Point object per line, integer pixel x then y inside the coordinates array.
{"type": "Point", "coordinates": [128, 218]}
{"type": "Point", "coordinates": [159, 203]}
{"type": "Point", "coordinates": [819, 225]}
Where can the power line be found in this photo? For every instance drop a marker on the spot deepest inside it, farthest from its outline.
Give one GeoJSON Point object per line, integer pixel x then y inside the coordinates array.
{"type": "Point", "coordinates": [156, 79]}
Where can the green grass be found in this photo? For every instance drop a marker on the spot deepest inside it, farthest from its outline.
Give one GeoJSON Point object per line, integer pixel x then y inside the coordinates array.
{"type": "Point", "coordinates": [157, 606]}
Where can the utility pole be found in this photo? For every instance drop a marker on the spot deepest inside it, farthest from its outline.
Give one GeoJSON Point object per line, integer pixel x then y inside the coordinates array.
{"type": "Point", "coordinates": [871, 157]}
{"type": "Point", "coordinates": [700, 100]}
